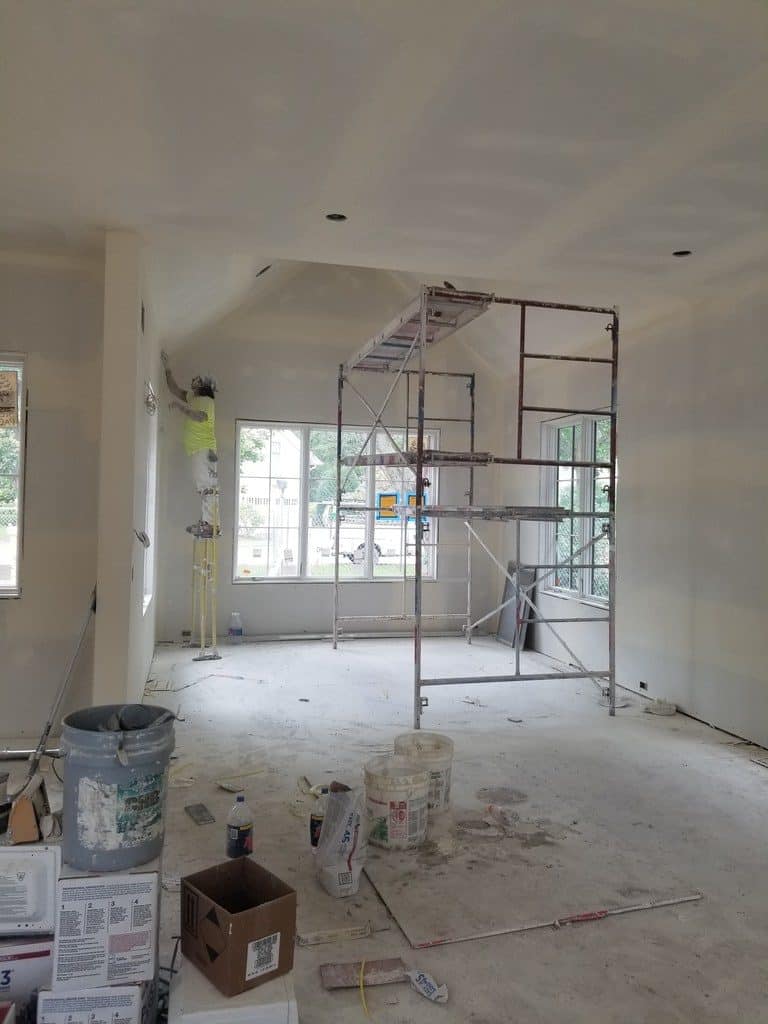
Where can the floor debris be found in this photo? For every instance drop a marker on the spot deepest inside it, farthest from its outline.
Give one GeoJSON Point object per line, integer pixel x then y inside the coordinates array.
{"type": "Point", "coordinates": [339, 934]}
{"type": "Point", "coordinates": [237, 783]}
{"type": "Point", "coordinates": [200, 814]}
{"type": "Point", "coordinates": [426, 986]}
{"type": "Point", "coordinates": [559, 922]}
{"type": "Point", "coordinates": [373, 972]}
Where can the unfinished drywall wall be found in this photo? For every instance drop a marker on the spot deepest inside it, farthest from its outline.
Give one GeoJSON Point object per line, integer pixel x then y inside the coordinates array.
{"type": "Point", "coordinates": [52, 314]}
{"type": "Point", "coordinates": [692, 553]}
{"type": "Point", "coordinates": [125, 621]}
{"type": "Point", "coordinates": [277, 359]}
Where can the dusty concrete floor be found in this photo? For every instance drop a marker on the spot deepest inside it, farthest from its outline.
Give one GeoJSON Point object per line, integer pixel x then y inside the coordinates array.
{"type": "Point", "coordinates": [672, 794]}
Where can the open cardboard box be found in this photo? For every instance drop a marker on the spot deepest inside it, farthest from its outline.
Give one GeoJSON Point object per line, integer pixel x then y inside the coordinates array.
{"type": "Point", "coordinates": [238, 924]}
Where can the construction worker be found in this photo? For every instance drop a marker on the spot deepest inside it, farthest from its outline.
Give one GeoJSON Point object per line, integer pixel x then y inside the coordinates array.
{"type": "Point", "coordinates": [198, 406]}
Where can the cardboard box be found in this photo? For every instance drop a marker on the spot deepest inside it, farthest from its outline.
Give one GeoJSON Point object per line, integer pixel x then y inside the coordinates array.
{"type": "Point", "coordinates": [238, 924]}
{"type": "Point", "coordinates": [26, 966]}
{"type": "Point", "coordinates": [92, 1006]}
{"type": "Point", "coordinates": [28, 878]}
{"type": "Point", "coordinates": [194, 1000]}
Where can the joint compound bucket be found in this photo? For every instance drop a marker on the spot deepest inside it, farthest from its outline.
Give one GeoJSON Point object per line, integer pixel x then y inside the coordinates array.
{"type": "Point", "coordinates": [434, 753]}
{"type": "Point", "coordinates": [396, 799]}
{"type": "Point", "coordinates": [115, 773]}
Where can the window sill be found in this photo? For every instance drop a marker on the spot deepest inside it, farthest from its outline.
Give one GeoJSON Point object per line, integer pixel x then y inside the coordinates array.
{"type": "Point", "coordinates": [569, 595]}
{"type": "Point", "coordinates": [282, 580]}
{"type": "Point", "coordinates": [10, 595]}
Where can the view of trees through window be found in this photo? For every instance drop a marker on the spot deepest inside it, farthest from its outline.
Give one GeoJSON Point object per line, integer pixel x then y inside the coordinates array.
{"type": "Point", "coordinates": [580, 490]}
{"type": "Point", "coordinates": [287, 505]}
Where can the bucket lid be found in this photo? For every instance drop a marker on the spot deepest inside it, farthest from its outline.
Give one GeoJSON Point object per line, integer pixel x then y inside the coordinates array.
{"type": "Point", "coordinates": [424, 744]}
{"type": "Point", "coordinates": [398, 769]}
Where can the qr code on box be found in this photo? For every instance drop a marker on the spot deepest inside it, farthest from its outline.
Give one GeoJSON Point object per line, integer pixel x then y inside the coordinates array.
{"type": "Point", "coordinates": [263, 956]}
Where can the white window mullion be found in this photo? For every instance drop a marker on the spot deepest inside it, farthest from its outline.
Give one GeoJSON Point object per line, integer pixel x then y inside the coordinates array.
{"type": "Point", "coordinates": [304, 504]}
{"type": "Point", "coordinates": [370, 516]}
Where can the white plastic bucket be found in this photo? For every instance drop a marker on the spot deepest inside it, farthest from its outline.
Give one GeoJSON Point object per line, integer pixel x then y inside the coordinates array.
{"type": "Point", "coordinates": [396, 794]}
{"type": "Point", "coordinates": [434, 753]}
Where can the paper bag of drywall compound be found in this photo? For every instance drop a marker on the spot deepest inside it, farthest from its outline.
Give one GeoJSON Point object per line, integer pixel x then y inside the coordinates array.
{"type": "Point", "coordinates": [343, 842]}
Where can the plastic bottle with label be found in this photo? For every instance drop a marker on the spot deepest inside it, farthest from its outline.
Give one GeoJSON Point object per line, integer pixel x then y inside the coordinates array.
{"type": "Point", "coordinates": [235, 631]}
{"type": "Point", "coordinates": [240, 829]}
{"type": "Point", "coordinates": [316, 817]}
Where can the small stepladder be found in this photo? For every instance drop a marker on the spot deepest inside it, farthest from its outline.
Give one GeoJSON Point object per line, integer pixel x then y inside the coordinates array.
{"type": "Point", "coordinates": [204, 571]}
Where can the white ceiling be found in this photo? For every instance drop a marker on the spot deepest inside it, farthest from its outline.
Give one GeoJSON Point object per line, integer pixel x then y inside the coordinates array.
{"type": "Point", "coordinates": [563, 147]}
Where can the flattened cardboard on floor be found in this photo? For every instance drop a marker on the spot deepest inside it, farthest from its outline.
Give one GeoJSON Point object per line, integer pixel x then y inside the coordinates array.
{"type": "Point", "coordinates": [238, 924]}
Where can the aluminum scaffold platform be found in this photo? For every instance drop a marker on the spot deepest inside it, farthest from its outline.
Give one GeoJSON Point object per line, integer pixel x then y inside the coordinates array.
{"type": "Point", "coordinates": [434, 315]}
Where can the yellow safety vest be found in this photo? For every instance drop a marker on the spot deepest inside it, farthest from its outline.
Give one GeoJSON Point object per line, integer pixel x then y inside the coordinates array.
{"type": "Point", "coordinates": [199, 436]}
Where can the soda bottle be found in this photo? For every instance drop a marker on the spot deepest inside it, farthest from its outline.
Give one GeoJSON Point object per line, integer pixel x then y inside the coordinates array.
{"type": "Point", "coordinates": [240, 829]}
{"type": "Point", "coordinates": [316, 818]}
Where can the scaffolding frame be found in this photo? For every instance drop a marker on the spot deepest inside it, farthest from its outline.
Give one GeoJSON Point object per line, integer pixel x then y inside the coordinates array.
{"type": "Point", "coordinates": [435, 314]}
{"type": "Point", "coordinates": [399, 457]}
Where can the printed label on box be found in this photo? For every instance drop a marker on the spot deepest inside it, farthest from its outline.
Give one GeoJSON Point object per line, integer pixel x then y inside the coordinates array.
{"type": "Point", "coordinates": [263, 956]}
{"type": "Point", "coordinates": [106, 930]}
{"type": "Point", "coordinates": [94, 1006]}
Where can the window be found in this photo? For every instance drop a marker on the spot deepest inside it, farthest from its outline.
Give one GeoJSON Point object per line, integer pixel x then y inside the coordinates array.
{"type": "Point", "coordinates": [579, 489]}
{"type": "Point", "coordinates": [12, 415]}
{"type": "Point", "coordinates": [286, 506]}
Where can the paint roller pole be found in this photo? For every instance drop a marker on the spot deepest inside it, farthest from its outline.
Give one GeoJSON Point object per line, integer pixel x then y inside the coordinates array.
{"type": "Point", "coordinates": [39, 752]}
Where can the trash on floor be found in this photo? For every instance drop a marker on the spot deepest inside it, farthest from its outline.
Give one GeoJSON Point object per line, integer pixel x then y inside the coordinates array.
{"type": "Point", "coordinates": [660, 707]}
{"type": "Point", "coordinates": [373, 972]}
{"type": "Point", "coordinates": [237, 783]}
{"type": "Point", "coordinates": [426, 986]}
{"type": "Point", "coordinates": [343, 842]}
{"type": "Point", "coordinates": [363, 931]}
{"type": "Point", "coordinates": [200, 814]}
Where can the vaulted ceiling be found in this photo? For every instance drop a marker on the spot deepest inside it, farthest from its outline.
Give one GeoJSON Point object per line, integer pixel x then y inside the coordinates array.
{"type": "Point", "coordinates": [563, 148]}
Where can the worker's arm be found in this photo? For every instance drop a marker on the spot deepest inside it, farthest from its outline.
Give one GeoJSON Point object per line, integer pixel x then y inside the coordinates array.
{"type": "Point", "coordinates": [193, 414]}
{"type": "Point", "coordinates": [170, 380]}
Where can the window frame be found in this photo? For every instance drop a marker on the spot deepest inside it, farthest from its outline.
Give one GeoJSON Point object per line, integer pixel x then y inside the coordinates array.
{"type": "Point", "coordinates": [584, 478]}
{"type": "Point", "coordinates": [368, 575]}
{"type": "Point", "coordinates": [18, 361]}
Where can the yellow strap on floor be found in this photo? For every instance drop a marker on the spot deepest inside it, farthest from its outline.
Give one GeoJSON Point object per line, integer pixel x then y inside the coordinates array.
{"type": "Point", "coordinates": [362, 989]}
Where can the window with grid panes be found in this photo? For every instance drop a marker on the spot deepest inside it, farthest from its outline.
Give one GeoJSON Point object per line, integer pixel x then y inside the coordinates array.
{"type": "Point", "coordinates": [286, 505]}
{"type": "Point", "coordinates": [583, 490]}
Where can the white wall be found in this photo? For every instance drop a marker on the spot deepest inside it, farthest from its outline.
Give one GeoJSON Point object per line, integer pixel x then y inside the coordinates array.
{"type": "Point", "coordinates": [278, 361]}
{"type": "Point", "coordinates": [53, 315]}
{"type": "Point", "coordinates": [125, 626]}
{"type": "Point", "coordinates": [692, 553]}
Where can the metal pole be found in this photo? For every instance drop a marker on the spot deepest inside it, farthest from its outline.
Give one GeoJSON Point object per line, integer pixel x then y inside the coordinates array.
{"type": "Point", "coordinates": [470, 496]}
{"type": "Point", "coordinates": [337, 524]}
{"type": "Point", "coordinates": [612, 519]}
{"type": "Point", "coordinates": [518, 604]}
{"type": "Point", "coordinates": [521, 384]}
{"type": "Point", "coordinates": [417, 594]}
{"type": "Point", "coordinates": [404, 518]}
